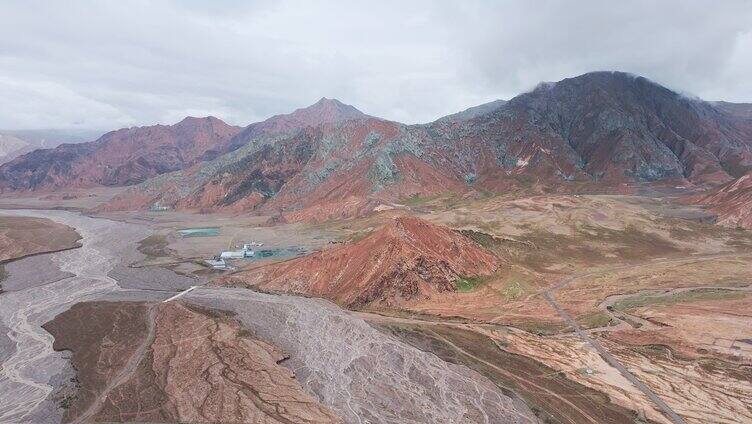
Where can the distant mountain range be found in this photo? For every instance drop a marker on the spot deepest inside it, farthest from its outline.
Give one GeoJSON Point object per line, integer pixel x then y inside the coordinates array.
{"type": "Point", "coordinates": [14, 143]}
{"type": "Point", "coordinates": [123, 157]}
{"type": "Point", "coordinates": [600, 129]}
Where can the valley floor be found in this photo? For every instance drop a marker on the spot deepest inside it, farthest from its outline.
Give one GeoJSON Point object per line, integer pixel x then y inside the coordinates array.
{"type": "Point", "coordinates": [614, 309]}
{"type": "Point", "coordinates": [344, 369]}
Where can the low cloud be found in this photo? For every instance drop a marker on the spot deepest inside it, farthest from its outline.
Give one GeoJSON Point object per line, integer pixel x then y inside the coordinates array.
{"type": "Point", "coordinates": [113, 64]}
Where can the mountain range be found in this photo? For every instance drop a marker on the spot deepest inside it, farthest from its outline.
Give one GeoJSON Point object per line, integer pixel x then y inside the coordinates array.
{"type": "Point", "coordinates": [123, 157]}
{"type": "Point", "coordinates": [14, 143]}
{"type": "Point", "coordinates": [601, 129]}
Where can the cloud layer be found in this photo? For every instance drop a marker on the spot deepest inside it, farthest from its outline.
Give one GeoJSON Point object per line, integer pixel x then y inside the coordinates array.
{"type": "Point", "coordinates": [113, 64]}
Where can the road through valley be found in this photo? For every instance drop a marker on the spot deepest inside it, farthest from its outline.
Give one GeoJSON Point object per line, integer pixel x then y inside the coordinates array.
{"type": "Point", "coordinates": [360, 373]}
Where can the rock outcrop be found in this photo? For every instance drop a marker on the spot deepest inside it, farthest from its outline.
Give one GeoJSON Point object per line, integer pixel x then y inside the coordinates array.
{"type": "Point", "coordinates": [407, 259]}
{"type": "Point", "coordinates": [600, 130]}
{"type": "Point", "coordinates": [732, 202]}
{"type": "Point", "coordinates": [188, 365]}
{"type": "Point", "coordinates": [123, 157]}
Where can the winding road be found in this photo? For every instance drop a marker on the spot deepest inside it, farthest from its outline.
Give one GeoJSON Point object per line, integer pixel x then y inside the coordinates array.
{"type": "Point", "coordinates": [548, 294]}
{"type": "Point", "coordinates": [613, 361]}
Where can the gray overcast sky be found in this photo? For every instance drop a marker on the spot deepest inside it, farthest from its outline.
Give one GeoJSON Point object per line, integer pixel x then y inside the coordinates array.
{"type": "Point", "coordinates": [109, 64]}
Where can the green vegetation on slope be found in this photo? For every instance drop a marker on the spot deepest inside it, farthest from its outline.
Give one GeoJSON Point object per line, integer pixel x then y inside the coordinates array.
{"type": "Point", "coordinates": [683, 297]}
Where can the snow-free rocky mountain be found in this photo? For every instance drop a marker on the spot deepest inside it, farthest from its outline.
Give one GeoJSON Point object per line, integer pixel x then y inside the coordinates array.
{"type": "Point", "coordinates": [600, 129]}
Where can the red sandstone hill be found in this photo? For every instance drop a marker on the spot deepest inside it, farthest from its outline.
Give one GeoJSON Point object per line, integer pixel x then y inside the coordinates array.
{"type": "Point", "coordinates": [123, 157]}
{"type": "Point", "coordinates": [408, 259]}
{"type": "Point", "coordinates": [732, 202]}
{"type": "Point", "coordinates": [601, 129]}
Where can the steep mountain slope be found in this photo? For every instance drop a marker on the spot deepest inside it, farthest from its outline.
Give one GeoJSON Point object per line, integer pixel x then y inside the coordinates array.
{"type": "Point", "coordinates": [264, 156]}
{"type": "Point", "coordinates": [408, 259]}
{"type": "Point", "coordinates": [122, 157]}
{"type": "Point", "coordinates": [622, 126]}
{"type": "Point", "coordinates": [472, 112]}
{"type": "Point", "coordinates": [732, 202]}
{"type": "Point", "coordinates": [738, 110]}
{"type": "Point", "coordinates": [600, 129]}
{"type": "Point", "coordinates": [322, 112]}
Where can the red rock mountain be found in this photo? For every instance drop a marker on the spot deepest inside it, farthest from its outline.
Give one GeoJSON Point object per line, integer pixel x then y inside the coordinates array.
{"type": "Point", "coordinates": [264, 155]}
{"type": "Point", "coordinates": [599, 129]}
{"type": "Point", "coordinates": [322, 112]}
{"type": "Point", "coordinates": [122, 157]}
{"type": "Point", "coordinates": [732, 202]}
{"type": "Point", "coordinates": [408, 259]}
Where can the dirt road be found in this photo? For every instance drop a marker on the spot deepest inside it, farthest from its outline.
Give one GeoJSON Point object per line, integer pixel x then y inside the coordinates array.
{"type": "Point", "coordinates": [613, 361]}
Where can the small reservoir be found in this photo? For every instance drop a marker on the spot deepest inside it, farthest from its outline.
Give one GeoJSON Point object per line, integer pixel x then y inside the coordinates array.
{"type": "Point", "coordinates": [280, 253]}
{"type": "Point", "coordinates": [199, 232]}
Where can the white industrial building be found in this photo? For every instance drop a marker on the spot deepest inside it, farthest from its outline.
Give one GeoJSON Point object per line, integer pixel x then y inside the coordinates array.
{"type": "Point", "coordinates": [245, 252]}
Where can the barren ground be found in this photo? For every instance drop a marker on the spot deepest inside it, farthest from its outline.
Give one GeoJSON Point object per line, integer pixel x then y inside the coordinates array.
{"type": "Point", "coordinates": [660, 287]}
{"type": "Point", "coordinates": [26, 236]}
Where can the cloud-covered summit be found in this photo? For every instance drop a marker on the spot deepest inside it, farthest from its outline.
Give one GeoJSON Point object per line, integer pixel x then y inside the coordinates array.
{"type": "Point", "coordinates": [108, 64]}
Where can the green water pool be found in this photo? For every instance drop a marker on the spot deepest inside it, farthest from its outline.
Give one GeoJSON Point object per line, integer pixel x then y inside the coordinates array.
{"type": "Point", "coordinates": [199, 232]}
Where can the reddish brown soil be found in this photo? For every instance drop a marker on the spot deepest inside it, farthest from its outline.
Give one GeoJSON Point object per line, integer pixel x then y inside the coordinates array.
{"type": "Point", "coordinates": [601, 131]}
{"type": "Point", "coordinates": [732, 202]}
{"type": "Point", "coordinates": [102, 337]}
{"type": "Point", "coordinates": [23, 236]}
{"type": "Point", "coordinates": [405, 260]}
{"type": "Point", "coordinates": [708, 328]}
{"type": "Point", "coordinates": [550, 394]}
{"type": "Point", "coordinates": [187, 365]}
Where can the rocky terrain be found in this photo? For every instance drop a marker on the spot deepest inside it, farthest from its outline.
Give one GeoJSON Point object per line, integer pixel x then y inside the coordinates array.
{"type": "Point", "coordinates": [122, 157]}
{"type": "Point", "coordinates": [266, 155]}
{"type": "Point", "coordinates": [471, 112]}
{"type": "Point", "coordinates": [325, 111]}
{"type": "Point", "coordinates": [408, 259]}
{"type": "Point", "coordinates": [551, 258]}
{"type": "Point", "coordinates": [344, 370]}
{"type": "Point", "coordinates": [232, 377]}
{"type": "Point", "coordinates": [732, 202]}
{"type": "Point", "coordinates": [596, 131]}
{"type": "Point", "coordinates": [24, 236]}
{"type": "Point", "coordinates": [739, 110]}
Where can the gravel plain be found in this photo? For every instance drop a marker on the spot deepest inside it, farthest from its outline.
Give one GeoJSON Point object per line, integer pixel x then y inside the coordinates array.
{"type": "Point", "coordinates": [360, 373]}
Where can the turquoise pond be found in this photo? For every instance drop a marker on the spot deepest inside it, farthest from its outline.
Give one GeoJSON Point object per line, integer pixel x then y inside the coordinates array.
{"type": "Point", "coordinates": [280, 253]}
{"type": "Point", "coordinates": [199, 232]}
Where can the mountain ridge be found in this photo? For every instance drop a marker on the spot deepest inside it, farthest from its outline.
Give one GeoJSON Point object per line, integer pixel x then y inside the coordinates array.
{"type": "Point", "coordinates": [121, 157]}
{"type": "Point", "coordinates": [602, 129]}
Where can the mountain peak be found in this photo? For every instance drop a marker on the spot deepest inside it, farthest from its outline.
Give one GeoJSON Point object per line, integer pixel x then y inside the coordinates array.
{"type": "Point", "coordinates": [407, 259]}
{"type": "Point", "coordinates": [194, 120]}
{"type": "Point", "coordinates": [611, 81]}
{"type": "Point", "coordinates": [324, 111]}
{"type": "Point", "coordinates": [332, 106]}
